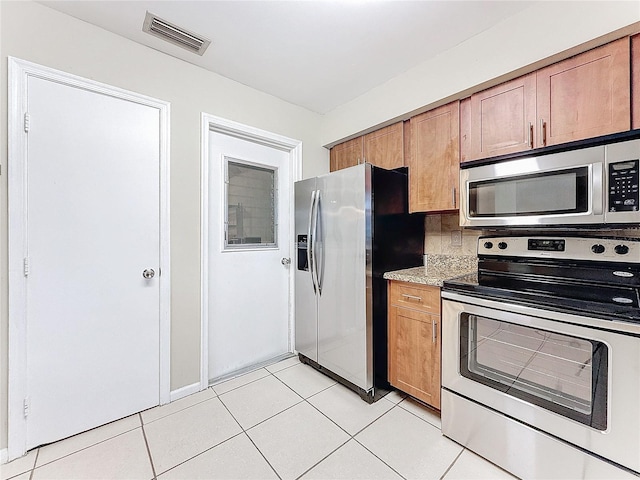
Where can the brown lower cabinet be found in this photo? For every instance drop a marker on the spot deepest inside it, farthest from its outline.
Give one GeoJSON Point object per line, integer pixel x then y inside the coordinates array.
{"type": "Point", "coordinates": [414, 340]}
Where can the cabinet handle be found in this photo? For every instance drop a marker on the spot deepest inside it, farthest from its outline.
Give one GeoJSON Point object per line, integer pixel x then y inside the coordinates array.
{"type": "Point", "coordinates": [412, 297]}
{"type": "Point", "coordinates": [543, 132]}
{"type": "Point", "coordinates": [530, 135]}
{"type": "Point", "coordinates": [453, 196]}
{"type": "Point", "coordinates": [434, 330]}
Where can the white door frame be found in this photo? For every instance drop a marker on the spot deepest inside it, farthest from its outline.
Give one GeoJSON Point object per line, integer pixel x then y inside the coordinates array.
{"type": "Point", "coordinates": [19, 73]}
{"type": "Point", "coordinates": [211, 123]}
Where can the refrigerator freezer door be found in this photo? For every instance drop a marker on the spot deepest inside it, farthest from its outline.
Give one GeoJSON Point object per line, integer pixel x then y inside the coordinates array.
{"type": "Point", "coordinates": [344, 272]}
{"type": "Point", "coordinates": [306, 309]}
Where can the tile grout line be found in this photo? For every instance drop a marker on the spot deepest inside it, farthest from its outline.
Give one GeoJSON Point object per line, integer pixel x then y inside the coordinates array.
{"type": "Point", "coordinates": [262, 455]}
{"type": "Point", "coordinates": [35, 462]}
{"type": "Point", "coordinates": [251, 440]}
{"type": "Point", "coordinates": [200, 453]}
{"type": "Point", "coordinates": [416, 415]}
{"type": "Point", "coordinates": [372, 453]}
{"type": "Point", "coordinates": [177, 411]}
{"type": "Point", "coordinates": [212, 387]}
{"type": "Point", "coordinates": [323, 459]}
{"type": "Point", "coordinates": [88, 446]}
{"type": "Point", "coordinates": [218, 396]}
{"type": "Point", "coordinates": [351, 437]}
{"type": "Point", "coordinates": [146, 443]}
{"type": "Point", "coordinates": [452, 464]}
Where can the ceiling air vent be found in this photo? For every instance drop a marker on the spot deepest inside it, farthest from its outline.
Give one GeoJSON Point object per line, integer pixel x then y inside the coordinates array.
{"type": "Point", "coordinates": [173, 34]}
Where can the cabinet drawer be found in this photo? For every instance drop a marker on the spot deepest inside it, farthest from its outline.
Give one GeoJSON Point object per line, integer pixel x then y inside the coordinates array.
{"type": "Point", "coordinates": [416, 296]}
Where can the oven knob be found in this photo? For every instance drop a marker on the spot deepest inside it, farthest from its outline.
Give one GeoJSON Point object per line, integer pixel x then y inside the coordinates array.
{"type": "Point", "coordinates": [621, 249]}
{"type": "Point", "coordinates": [597, 248]}
{"type": "Point", "coordinates": [502, 245]}
{"type": "Point", "coordinates": [488, 245]}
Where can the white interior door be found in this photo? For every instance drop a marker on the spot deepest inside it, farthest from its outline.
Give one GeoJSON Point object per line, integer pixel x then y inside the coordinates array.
{"type": "Point", "coordinates": [248, 237]}
{"type": "Point", "coordinates": [92, 227]}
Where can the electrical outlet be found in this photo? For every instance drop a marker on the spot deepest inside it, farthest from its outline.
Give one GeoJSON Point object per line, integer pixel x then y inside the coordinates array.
{"type": "Point", "coordinates": [456, 238]}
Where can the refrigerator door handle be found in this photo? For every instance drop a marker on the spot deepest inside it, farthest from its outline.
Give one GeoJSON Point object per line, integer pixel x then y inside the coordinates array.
{"type": "Point", "coordinates": [314, 256]}
{"type": "Point", "coordinates": [310, 236]}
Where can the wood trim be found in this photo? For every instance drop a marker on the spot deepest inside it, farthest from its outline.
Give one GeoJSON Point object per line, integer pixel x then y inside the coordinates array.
{"type": "Point", "coordinates": [333, 162]}
{"type": "Point", "coordinates": [465, 129]}
{"type": "Point", "coordinates": [406, 131]}
{"type": "Point", "coordinates": [635, 81]}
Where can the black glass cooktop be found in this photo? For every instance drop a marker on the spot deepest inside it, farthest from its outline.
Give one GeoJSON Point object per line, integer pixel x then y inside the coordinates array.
{"type": "Point", "coordinates": [609, 302]}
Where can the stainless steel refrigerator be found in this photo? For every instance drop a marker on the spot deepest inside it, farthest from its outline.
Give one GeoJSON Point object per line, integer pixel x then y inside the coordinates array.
{"type": "Point", "coordinates": [351, 226]}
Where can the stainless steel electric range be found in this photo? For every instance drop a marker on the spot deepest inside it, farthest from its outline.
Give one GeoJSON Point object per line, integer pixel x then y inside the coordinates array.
{"type": "Point", "coordinates": [541, 356]}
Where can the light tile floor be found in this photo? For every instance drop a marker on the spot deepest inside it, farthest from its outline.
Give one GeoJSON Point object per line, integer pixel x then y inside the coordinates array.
{"type": "Point", "coordinates": [284, 421]}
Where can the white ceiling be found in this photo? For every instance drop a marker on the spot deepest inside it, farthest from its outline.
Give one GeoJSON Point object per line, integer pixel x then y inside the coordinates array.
{"type": "Point", "coordinates": [316, 54]}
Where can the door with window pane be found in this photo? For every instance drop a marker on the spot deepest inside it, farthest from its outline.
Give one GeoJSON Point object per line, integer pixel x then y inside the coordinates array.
{"type": "Point", "coordinates": [248, 291]}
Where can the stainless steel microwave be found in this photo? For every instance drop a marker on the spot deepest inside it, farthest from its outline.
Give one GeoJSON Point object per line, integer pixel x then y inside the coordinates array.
{"type": "Point", "coordinates": [591, 186]}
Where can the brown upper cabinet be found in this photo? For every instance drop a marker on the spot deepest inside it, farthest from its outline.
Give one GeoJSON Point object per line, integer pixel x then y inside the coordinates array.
{"type": "Point", "coordinates": [435, 160]}
{"type": "Point", "coordinates": [346, 154]}
{"type": "Point", "coordinates": [382, 148]}
{"type": "Point", "coordinates": [585, 96]}
{"type": "Point", "coordinates": [635, 81]}
{"type": "Point", "coordinates": [503, 118]}
{"type": "Point", "coordinates": [582, 97]}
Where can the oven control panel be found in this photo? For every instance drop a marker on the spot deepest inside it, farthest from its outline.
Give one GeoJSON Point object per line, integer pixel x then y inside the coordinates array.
{"type": "Point", "coordinates": [574, 248]}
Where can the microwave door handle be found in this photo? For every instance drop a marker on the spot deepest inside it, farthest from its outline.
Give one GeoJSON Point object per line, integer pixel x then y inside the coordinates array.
{"type": "Point", "coordinates": [310, 254]}
{"type": "Point", "coordinates": [598, 186]}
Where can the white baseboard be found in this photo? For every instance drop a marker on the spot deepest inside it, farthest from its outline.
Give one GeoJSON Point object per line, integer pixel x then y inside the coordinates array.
{"type": "Point", "coordinates": [4, 455]}
{"type": "Point", "coordinates": [184, 391]}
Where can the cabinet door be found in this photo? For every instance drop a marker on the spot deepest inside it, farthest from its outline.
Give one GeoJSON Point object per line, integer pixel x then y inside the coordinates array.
{"type": "Point", "coordinates": [414, 353]}
{"type": "Point", "coordinates": [385, 147]}
{"type": "Point", "coordinates": [635, 81]}
{"type": "Point", "coordinates": [585, 96]}
{"type": "Point", "coordinates": [435, 160]}
{"type": "Point", "coordinates": [346, 154]}
{"type": "Point", "coordinates": [503, 118]}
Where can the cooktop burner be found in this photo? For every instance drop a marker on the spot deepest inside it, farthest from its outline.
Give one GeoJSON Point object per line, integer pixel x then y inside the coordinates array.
{"type": "Point", "coordinates": [597, 277]}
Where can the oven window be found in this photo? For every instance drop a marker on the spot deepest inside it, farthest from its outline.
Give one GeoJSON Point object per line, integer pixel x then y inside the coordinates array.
{"type": "Point", "coordinates": [546, 193]}
{"type": "Point", "coordinates": [564, 374]}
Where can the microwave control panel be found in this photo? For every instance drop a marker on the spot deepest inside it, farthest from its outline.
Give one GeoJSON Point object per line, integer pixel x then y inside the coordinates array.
{"type": "Point", "coordinates": [623, 186]}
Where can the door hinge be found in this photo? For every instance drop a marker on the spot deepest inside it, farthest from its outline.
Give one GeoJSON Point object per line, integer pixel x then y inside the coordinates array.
{"type": "Point", "coordinates": [26, 266]}
{"type": "Point", "coordinates": [27, 119]}
{"type": "Point", "coordinates": [26, 406]}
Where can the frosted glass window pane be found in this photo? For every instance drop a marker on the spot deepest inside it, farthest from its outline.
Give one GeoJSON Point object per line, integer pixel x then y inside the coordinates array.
{"type": "Point", "coordinates": [250, 205]}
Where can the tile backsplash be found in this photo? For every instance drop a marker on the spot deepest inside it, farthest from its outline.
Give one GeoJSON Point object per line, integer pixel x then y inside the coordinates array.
{"type": "Point", "coordinates": [439, 240]}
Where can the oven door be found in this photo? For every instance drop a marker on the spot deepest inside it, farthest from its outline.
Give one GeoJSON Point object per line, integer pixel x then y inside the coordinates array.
{"type": "Point", "coordinates": [547, 370]}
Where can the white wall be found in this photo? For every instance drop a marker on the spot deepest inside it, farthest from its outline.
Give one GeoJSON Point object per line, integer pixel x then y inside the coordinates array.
{"type": "Point", "coordinates": [537, 33]}
{"type": "Point", "coordinates": [36, 33]}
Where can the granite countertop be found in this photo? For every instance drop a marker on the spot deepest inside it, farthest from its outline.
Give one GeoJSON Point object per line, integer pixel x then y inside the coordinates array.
{"type": "Point", "coordinates": [438, 268]}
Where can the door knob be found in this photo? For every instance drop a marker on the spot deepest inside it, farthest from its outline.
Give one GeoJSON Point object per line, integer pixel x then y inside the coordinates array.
{"type": "Point", "coordinates": [149, 273]}
{"type": "Point", "coordinates": [285, 261]}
